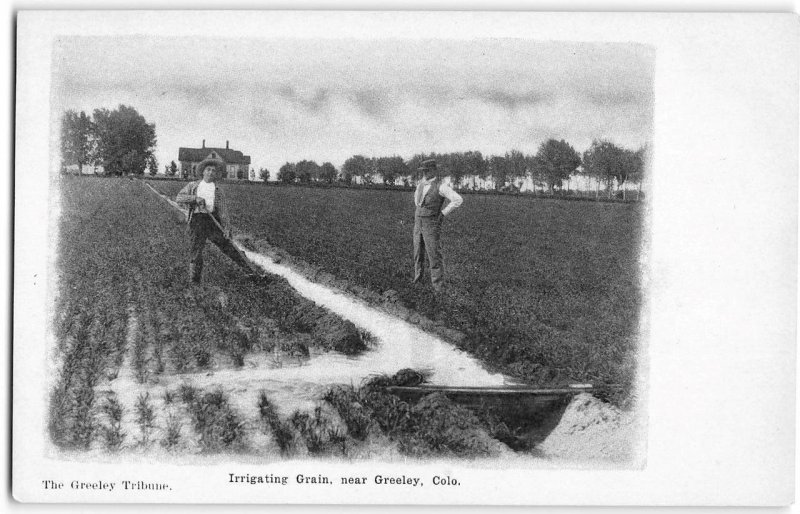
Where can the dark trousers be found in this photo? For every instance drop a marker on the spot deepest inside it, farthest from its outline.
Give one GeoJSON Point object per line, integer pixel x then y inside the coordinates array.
{"type": "Point", "coordinates": [202, 227]}
{"type": "Point", "coordinates": [427, 231]}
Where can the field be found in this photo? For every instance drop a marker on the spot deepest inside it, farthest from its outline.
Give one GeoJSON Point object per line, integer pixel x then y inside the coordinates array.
{"type": "Point", "coordinates": [544, 290]}
{"type": "Point", "coordinates": [145, 361]}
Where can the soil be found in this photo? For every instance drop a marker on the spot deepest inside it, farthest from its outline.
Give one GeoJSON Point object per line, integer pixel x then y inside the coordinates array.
{"type": "Point", "coordinates": [593, 430]}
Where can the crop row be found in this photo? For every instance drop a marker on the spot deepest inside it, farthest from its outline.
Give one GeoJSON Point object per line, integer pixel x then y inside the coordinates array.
{"type": "Point", "coordinates": [347, 422]}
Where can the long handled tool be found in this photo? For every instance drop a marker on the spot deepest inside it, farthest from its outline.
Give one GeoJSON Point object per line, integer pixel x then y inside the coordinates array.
{"type": "Point", "coordinates": [253, 269]}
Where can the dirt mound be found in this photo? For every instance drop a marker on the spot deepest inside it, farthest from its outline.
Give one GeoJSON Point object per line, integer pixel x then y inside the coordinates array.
{"type": "Point", "coordinates": [592, 430]}
{"type": "Point", "coordinates": [404, 377]}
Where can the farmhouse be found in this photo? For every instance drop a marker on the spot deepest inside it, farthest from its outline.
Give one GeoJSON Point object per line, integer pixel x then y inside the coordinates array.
{"type": "Point", "coordinates": [237, 165]}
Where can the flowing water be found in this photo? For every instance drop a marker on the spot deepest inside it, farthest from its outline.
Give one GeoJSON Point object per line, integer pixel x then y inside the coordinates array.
{"type": "Point", "coordinates": [399, 343]}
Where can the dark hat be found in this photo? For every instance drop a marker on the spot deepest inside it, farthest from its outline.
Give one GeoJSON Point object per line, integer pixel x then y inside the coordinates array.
{"type": "Point", "coordinates": [428, 164]}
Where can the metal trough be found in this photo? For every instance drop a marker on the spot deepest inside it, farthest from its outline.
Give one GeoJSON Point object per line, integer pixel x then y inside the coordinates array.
{"type": "Point", "coordinates": [529, 413]}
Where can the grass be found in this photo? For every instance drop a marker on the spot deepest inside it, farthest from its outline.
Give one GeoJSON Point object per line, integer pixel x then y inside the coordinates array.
{"type": "Point", "coordinates": [112, 432]}
{"type": "Point", "coordinates": [218, 425]}
{"type": "Point", "coordinates": [281, 431]}
{"type": "Point", "coordinates": [432, 426]}
{"type": "Point", "coordinates": [172, 432]}
{"type": "Point", "coordinates": [546, 291]}
{"type": "Point", "coordinates": [145, 417]}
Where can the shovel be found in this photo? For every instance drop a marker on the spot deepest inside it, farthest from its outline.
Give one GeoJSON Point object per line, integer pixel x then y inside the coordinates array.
{"type": "Point", "coordinates": [254, 271]}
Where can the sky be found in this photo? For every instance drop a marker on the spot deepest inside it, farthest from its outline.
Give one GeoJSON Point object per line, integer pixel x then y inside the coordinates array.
{"type": "Point", "coordinates": [281, 100]}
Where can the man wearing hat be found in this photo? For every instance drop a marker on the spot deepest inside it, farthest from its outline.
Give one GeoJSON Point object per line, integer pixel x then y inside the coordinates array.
{"type": "Point", "coordinates": [207, 218]}
{"type": "Point", "coordinates": [430, 211]}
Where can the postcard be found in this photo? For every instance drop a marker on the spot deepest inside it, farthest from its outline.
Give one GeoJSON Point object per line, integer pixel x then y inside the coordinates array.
{"type": "Point", "coordinates": [405, 258]}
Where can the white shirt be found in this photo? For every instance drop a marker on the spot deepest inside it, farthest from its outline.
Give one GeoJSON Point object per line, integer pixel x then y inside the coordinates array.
{"type": "Point", "coordinates": [206, 190]}
{"type": "Point", "coordinates": [444, 190]}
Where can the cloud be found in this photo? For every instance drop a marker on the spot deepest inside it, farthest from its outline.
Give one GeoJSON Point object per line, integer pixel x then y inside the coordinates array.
{"type": "Point", "coordinates": [373, 103]}
{"type": "Point", "coordinates": [511, 100]}
{"type": "Point", "coordinates": [600, 96]}
{"type": "Point", "coordinates": [314, 103]}
{"type": "Point", "coordinates": [280, 100]}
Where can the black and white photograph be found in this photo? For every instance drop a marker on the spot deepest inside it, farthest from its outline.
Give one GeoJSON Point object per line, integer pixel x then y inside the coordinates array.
{"type": "Point", "coordinates": [351, 268]}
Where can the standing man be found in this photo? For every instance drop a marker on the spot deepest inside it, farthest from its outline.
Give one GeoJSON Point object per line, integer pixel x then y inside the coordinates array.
{"type": "Point", "coordinates": [429, 199]}
{"type": "Point", "coordinates": [207, 217]}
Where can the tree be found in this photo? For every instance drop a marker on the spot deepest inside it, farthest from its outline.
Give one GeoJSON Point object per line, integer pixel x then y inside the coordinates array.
{"type": "Point", "coordinates": [77, 140]}
{"type": "Point", "coordinates": [498, 168]}
{"type": "Point", "coordinates": [415, 162]}
{"type": "Point", "coordinates": [639, 164]}
{"type": "Point", "coordinates": [327, 172]}
{"type": "Point", "coordinates": [475, 165]}
{"type": "Point", "coordinates": [173, 169]}
{"type": "Point", "coordinates": [368, 178]}
{"type": "Point", "coordinates": [286, 173]}
{"type": "Point", "coordinates": [132, 163]}
{"type": "Point", "coordinates": [466, 165]}
{"type": "Point", "coordinates": [124, 140]}
{"type": "Point", "coordinates": [609, 163]}
{"type": "Point", "coordinates": [391, 168]}
{"type": "Point", "coordinates": [264, 174]}
{"type": "Point", "coordinates": [517, 165]}
{"type": "Point", "coordinates": [555, 161]}
{"type": "Point", "coordinates": [307, 171]}
{"type": "Point", "coordinates": [152, 165]}
{"type": "Point", "coordinates": [355, 166]}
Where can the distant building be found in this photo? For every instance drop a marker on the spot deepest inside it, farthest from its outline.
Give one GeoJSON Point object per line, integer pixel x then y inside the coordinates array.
{"type": "Point", "coordinates": [86, 169]}
{"type": "Point", "coordinates": [237, 165]}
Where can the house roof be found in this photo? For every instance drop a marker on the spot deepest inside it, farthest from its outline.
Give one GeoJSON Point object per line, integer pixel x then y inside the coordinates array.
{"type": "Point", "coordinates": [198, 154]}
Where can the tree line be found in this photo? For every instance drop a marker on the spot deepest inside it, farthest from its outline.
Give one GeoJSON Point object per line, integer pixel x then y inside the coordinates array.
{"type": "Point", "coordinates": [554, 162]}
{"type": "Point", "coordinates": [122, 142]}
{"type": "Point", "coordinates": [119, 140]}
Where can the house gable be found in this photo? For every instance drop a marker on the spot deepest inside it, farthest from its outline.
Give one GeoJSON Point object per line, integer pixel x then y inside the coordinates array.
{"type": "Point", "coordinates": [224, 154]}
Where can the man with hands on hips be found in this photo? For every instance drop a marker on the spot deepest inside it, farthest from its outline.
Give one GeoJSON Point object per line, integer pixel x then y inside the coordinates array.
{"type": "Point", "coordinates": [429, 199]}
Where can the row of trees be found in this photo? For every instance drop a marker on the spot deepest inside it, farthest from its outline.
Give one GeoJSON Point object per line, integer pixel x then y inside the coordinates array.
{"type": "Point", "coordinates": [304, 172]}
{"type": "Point", "coordinates": [122, 142]}
{"type": "Point", "coordinates": [119, 140]}
{"type": "Point", "coordinates": [554, 162]}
